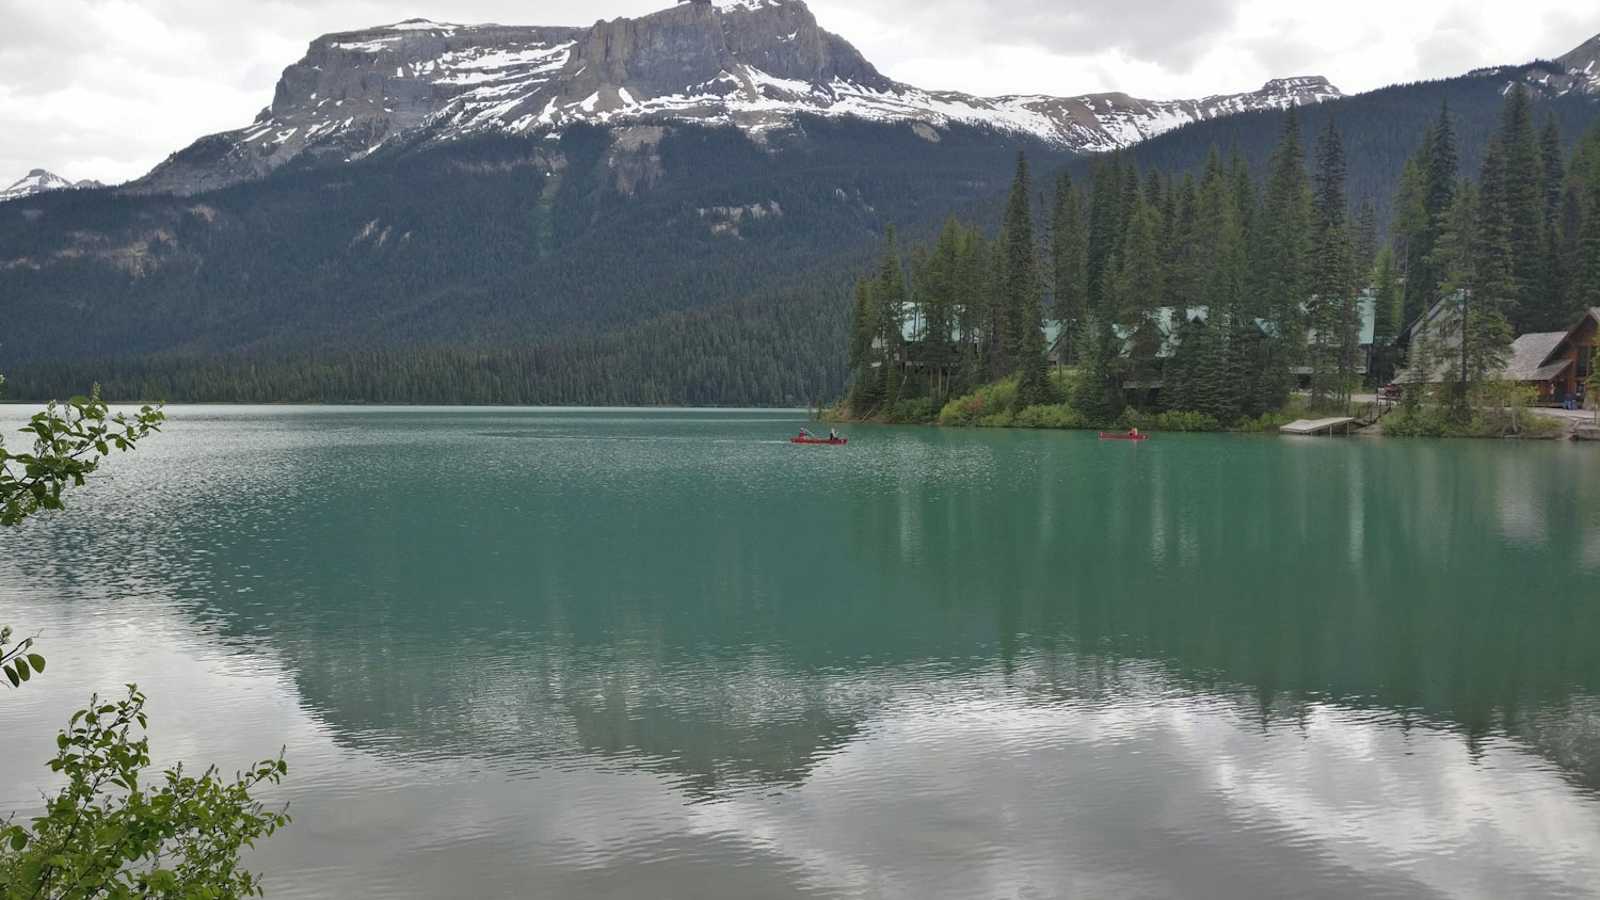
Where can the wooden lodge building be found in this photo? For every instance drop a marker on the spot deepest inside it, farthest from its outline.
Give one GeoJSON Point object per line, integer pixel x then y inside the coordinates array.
{"type": "Point", "coordinates": [1555, 364]}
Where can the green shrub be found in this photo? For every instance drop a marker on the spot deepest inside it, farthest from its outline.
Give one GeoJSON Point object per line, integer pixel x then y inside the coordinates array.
{"type": "Point", "coordinates": [1443, 422]}
{"type": "Point", "coordinates": [981, 404]}
{"type": "Point", "coordinates": [1173, 420]}
{"type": "Point", "coordinates": [910, 412]}
{"type": "Point", "coordinates": [1058, 415]}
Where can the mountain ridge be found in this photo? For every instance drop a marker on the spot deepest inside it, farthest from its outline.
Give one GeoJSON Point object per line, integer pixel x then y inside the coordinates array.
{"type": "Point", "coordinates": [753, 64]}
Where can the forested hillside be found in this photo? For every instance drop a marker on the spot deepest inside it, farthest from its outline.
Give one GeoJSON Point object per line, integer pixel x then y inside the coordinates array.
{"type": "Point", "coordinates": [641, 277]}
{"type": "Point", "coordinates": [1381, 129]}
{"type": "Point", "coordinates": [678, 264]}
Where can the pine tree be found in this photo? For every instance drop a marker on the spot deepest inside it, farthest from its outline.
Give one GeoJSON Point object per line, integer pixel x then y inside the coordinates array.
{"type": "Point", "coordinates": [1225, 377]}
{"type": "Point", "coordinates": [939, 298]}
{"type": "Point", "coordinates": [865, 364]}
{"type": "Point", "coordinates": [1140, 292]}
{"type": "Point", "coordinates": [1332, 297]}
{"type": "Point", "coordinates": [1182, 263]}
{"type": "Point", "coordinates": [1020, 293]}
{"type": "Point", "coordinates": [972, 309]}
{"type": "Point", "coordinates": [1553, 286]}
{"type": "Point", "coordinates": [1180, 375]}
{"type": "Point", "coordinates": [1439, 164]}
{"type": "Point", "coordinates": [1098, 390]}
{"type": "Point", "coordinates": [1410, 226]}
{"type": "Point", "coordinates": [889, 300]}
{"type": "Point", "coordinates": [1388, 309]}
{"type": "Point", "coordinates": [1279, 261]}
{"type": "Point", "coordinates": [1069, 254]}
{"type": "Point", "coordinates": [1522, 194]}
{"type": "Point", "coordinates": [1589, 248]}
{"type": "Point", "coordinates": [1364, 243]}
{"type": "Point", "coordinates": [1105, 232]}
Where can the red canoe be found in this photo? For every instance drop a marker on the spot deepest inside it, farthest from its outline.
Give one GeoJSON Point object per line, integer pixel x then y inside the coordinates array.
{"type": "Point", "coordinates": [831, 442]}
{"type": "Point", "coordinates": [1104, 436]}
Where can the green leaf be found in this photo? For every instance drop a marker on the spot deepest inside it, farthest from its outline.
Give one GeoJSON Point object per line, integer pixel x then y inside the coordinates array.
{"type": "Point", "coordinates": [11, 675]}
{"type": "Point", "coordinates": [36, 661]}
{"type": "Point", "coordinates": [22, 669]}
{"type": "Point", "coordinates": [19, 839]}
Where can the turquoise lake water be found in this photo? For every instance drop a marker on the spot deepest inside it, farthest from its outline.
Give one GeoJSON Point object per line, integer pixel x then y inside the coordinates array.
{"type": "Point", "coordinates": [667, 654]}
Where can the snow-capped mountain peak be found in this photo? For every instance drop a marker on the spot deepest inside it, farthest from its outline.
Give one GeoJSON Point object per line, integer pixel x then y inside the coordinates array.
{"type": "Point", "coordinates": [39, 181]}
{"type": "Point", "coordinates": [752, 64]}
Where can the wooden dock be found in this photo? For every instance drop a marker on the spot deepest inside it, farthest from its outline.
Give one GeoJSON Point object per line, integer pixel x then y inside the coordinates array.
{"type": "Point", "coordinates": [1320, 426]}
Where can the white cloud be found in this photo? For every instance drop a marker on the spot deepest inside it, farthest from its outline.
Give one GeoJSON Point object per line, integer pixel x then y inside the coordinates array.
{"type": "Point", "coordinates": [107, 88]}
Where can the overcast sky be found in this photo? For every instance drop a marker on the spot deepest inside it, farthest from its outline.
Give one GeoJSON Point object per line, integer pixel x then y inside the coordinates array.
{"type": "Point", "coordinates": [107, 88]}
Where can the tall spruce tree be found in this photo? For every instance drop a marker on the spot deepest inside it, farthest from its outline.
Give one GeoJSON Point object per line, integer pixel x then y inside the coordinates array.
{"type": "Point", "coordinates": [1139, 291]}
{"type": "Point", "coordinates": [1439, 164]}
{"type": "Point", "coordinates": [1069, 246]}
{"type": "Point", "coordinates": [889, 298]}
{"type": "Point", "coordinates": [1280, 260]}
{"type": "Point", "coordinates": [1522, 196]}
{"type": "Point", "coordinates": [1387, 317]}
{"type": "Point", "coordinates": [1332, 297]}
{"type": "Point", "coordinates": [866, 363]}
{"type": "Point", "coordinates": [1182, 262]}
{"type": "Point", "coordinates": [1589, 248]}
{"type": "Point", "coordinates": [939, 296]}
{"type": "Point", "coordinates": [1364, 243]}
{"type": "Point", "coordinates": [1020, 292]}
{"type": "Point", "coordinates": [1105, 233]}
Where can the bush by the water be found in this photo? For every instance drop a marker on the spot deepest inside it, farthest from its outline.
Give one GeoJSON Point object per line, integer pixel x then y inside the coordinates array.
{"type": "Point", "coordinates": [1493, 409]}
{"type": "Point", "coordinates": [981, 406]}
{"type": "Point", "coordinates": [1444, 422]}
{"type": "Point", "coordinates": [1173, 420]}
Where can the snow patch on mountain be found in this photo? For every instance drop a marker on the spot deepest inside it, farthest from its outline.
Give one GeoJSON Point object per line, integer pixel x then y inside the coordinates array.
{"type": "Point", "coordinates": [40, 181]}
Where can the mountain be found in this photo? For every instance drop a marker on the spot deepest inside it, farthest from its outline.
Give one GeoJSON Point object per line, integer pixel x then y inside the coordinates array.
{"type": "Point", "coordinates": [1583, 64]}
{"type": "Point", "coordinates": [758, 65]}
{"type": "Point", "coordinates": [38, 181]}
{"type": "Point", "coordinates": [667, 236]}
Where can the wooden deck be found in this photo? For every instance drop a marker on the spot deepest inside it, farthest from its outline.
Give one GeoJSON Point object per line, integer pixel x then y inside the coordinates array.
{"type": "Point", "coordinates": [1320, 426]}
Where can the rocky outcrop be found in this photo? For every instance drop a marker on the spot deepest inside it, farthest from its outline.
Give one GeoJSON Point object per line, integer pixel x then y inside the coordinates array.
{"type": "Point", "coordinates": [1584, 64]}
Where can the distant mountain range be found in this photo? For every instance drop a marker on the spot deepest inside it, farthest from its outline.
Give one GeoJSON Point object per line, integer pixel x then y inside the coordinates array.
{"type": "Point", "coordinates": [38, 181]}
{"type": "Point", "coordinates": [656, 210]}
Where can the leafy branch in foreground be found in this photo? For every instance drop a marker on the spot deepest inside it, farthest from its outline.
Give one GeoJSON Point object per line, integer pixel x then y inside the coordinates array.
{"type": "Point", "coordinates": [108, 835]}
{"type": "Point", "coordinates": [18, 664]}
{"type": "Point", "coordinates": [70, 440]}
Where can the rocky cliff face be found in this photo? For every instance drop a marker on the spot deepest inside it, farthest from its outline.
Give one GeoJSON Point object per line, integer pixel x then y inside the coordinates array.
{"type": "Point", "coordinates": [1584, 64]}
{"type": "Point", "coordinates": [754, 64]}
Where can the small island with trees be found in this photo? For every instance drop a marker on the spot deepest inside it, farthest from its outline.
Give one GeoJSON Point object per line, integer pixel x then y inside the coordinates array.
{"type": "Point", "coordinates": [1212, 301]}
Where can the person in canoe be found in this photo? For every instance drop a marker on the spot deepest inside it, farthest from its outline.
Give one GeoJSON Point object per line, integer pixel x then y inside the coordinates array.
{"type": "Point", "coordinates": [1134, 434]}
{"type": "Point", "coordinates": [833, 434]}
{"type": "Point", "coordinates": [805, 434]}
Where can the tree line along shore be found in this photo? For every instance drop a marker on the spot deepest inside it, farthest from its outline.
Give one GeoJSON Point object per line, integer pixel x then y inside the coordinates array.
{"type": "Point", "coordinates": [1214, 301]}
